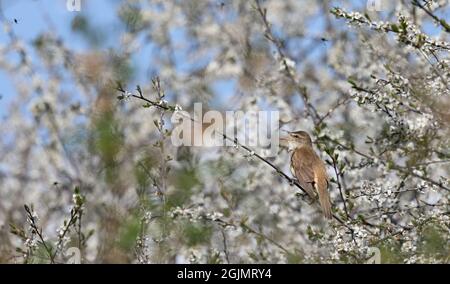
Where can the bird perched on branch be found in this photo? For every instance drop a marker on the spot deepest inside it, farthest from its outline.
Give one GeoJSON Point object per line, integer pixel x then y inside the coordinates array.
{"type": "Point", "coordinates": [308, 168]}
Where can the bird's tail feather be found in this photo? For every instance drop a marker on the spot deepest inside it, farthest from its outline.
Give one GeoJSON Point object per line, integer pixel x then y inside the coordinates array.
{"type": "Point", "coordinates": [324, 198]}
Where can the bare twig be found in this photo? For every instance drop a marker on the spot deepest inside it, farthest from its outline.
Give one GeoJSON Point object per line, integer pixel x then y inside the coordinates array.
{"type": "Point", "coordinates": [338, 181]}
{"type": "Point", "coordinates": [310, 110]}
{"type": "Point", "coordinates": [225, 246]}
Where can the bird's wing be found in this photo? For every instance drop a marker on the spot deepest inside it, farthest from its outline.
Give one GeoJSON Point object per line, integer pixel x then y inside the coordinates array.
{"type": "Point", "coordinates": [312, 175]}
{"type": "Point", "coordinates": [302, 164]}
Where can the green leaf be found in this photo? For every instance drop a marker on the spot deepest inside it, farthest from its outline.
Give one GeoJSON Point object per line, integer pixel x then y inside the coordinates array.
{"type": "Point", "coordinates": [395, 28]}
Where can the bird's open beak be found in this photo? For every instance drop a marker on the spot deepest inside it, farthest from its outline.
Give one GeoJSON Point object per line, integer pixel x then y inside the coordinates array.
{"type": "Point", "coordinates": [284, 141]}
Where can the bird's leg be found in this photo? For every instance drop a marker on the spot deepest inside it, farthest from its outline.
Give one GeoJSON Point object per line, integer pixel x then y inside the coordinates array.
{"type": "Point", "coordinates": [306, 197]}
{"type": "Point", "coordinates": [311, 198]}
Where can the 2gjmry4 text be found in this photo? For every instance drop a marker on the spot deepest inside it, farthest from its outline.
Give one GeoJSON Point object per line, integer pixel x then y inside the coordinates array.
{"type": "Point", "coordinates": [225, 273]}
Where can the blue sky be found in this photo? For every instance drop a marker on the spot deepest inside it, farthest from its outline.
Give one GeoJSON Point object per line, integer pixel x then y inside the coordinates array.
{"type": "Point", "coordinates": [36, 16]}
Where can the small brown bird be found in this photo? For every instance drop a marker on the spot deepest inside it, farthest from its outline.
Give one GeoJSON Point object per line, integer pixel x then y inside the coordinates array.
{"type": "Point", "coordinates": [308, 168]}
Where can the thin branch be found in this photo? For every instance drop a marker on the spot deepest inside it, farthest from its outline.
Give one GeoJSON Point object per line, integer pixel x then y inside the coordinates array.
{"type": "Point", "coordinates": [442, 22]}
{"type": "Point", "coordinates": [73, 218]}
{"type": "Point", "coordinates": [311, 111]}
{"type": "Point", "coordinates": [332, 109]}
{"type": "Point", "coordinates": [35, 228]}
{"type": "Point", "coordinates": [236, 142]}
{"type": "Point", "coordinates": [396, 168]}
{"type": "Point", "coordinates": [246, 227]}
{"type": "Point", "coordinates": [338, 181]}
{"type": "Point", "coordinates": [225, 246]}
